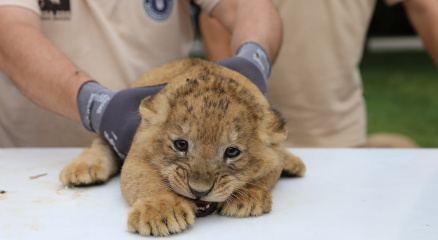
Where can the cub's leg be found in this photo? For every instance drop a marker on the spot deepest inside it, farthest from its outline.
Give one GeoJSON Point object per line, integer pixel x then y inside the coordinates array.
{"type": "Point", "coordinates": [293, 166]}
{"type": "Point", "coordinates": [253, 199]}
{"type": "Point", "coordinates": [96, 164]}
{"type": "Point", "coordinates": [155, 209]}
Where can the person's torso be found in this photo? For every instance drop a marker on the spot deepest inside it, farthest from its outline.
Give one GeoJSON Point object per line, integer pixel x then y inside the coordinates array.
{"type": "Point", "coordinates": [114, 41]}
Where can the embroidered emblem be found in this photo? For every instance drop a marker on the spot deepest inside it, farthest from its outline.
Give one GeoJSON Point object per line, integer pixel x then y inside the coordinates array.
{"type": "Point", "coordinates": [158, 10]}
{"type": "Point", "coordinates": [55, 9]}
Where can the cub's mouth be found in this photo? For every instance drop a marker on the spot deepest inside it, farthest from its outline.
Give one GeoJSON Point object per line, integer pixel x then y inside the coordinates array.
{"type": "Point", "coordinates": [204, 208]}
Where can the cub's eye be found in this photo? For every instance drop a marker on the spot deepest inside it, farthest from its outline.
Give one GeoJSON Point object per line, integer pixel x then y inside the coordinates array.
{"type": "Point", "coordinates": [232, 152]}
{"type": "Point", "coordinates": [181, 145]}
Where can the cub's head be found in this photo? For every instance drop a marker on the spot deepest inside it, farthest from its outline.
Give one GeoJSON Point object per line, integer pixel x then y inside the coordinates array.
{"type": "Point", "coordinates": [209, 136]}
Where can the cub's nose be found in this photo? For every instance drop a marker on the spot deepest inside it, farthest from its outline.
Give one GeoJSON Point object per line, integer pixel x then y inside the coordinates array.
{"type": "Point", "coordinates": [199, 194]}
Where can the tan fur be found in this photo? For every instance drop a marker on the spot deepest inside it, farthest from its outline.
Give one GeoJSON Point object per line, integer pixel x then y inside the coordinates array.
{"type": "Point", "coordinates": [212, 108]}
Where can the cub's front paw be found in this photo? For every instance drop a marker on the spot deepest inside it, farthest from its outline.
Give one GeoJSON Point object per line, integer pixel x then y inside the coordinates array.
{"type": "Point", "coordinates": [84, 173]}
{"type": "Point", "coordinates": [89, 168]}
{"type": "Point", "coordinates": [248, 202]}
{"type": "Point", "coordinates": [96, 164]}
{"type": "Point", "coordinates": [161, 215]}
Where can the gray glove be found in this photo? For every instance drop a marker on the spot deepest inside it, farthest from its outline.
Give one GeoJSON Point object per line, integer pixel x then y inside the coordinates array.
{"type": "Point", "coordinates": [113, 114]}
{"type": "Point", "coordinates": [251, 61]}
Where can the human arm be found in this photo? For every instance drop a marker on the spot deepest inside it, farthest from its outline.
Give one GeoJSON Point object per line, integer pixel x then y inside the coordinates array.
{"type": "Point", "coordinates": [256, 33]}
{"type": "Point", "coordinates": [423, 15]}
{"type": "Point", "coordinates": [215, 37]}
{"type": "Point", "coordinates": [47, 77]}
{"type": "Point", "coordinates": [251, 20]}
{"type": "Point", "coordinates": [39, 69]}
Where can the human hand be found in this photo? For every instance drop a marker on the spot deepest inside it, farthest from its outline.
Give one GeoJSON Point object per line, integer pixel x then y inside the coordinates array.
{"type": "Point", "coordinates": [113, 114]}
{"type": "Point", "coordinates": [253, 62]}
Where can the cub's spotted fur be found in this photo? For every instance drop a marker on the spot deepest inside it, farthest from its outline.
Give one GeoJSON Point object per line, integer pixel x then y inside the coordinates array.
{"type": "Point", "coordinates": [207, 142]}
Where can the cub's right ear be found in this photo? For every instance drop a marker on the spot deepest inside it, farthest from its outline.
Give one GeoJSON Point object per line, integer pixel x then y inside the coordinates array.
{"type": "Point", "coordinates": [274, 127]}
{"type": "Point", "coordinates": [153, 109]}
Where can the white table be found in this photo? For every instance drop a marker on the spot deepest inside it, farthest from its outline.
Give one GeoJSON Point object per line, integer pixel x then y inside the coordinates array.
{"type": "Point", "coordinates": [347, 194]}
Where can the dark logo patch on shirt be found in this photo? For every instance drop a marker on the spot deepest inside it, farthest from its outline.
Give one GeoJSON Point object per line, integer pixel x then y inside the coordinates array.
{"type": "Point", "coordinates": [55, 9]}
{"type": "Point", "coordinates": [158, 10]}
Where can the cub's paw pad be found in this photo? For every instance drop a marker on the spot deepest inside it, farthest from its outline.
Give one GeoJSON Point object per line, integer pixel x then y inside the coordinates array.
{"type": "Point", "coordinates": [84, 173]}
{"type": "Point", "coordinates": [247, 203]}
{"type": "Point", "coordinates": [161, 217]}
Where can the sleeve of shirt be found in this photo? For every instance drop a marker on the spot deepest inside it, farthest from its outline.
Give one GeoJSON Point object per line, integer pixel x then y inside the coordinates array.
{"type": "Point", "coordinates": [29, 4]}
{"type": "Point", "coordinates": [207, 5]}
{"type": "Point", "coordinates": [393, 2]}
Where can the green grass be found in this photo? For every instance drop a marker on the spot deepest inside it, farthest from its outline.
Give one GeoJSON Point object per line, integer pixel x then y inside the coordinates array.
{"type": "Point", "coordinates": [401, 91]}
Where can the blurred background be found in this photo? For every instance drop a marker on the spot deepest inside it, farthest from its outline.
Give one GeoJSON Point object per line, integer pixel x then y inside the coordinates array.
{"type": "Point", "coordinates": [400, 79]}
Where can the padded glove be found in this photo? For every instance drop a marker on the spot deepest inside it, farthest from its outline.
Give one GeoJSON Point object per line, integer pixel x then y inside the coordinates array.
{"type": "Point", "coordinates": [251, 61]}
{"type": "Point", "coordinates": [113, 114]}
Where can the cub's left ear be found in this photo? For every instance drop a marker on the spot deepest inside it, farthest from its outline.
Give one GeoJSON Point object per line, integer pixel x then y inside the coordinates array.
{"type": "Point", "coordinates": [153, 109]}
{"type": "Point", "coordinates": [274, 126]}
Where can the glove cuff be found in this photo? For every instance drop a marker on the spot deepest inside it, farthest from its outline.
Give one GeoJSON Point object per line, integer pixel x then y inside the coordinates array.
{"type": "Point", "coordinates": [92, 100]}
{"type": "Point", "coordinates": [256, 54]}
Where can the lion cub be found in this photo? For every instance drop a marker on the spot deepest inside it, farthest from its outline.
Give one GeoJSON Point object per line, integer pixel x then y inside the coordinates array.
{"type": "Point", "coordinates": [207, 142]}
